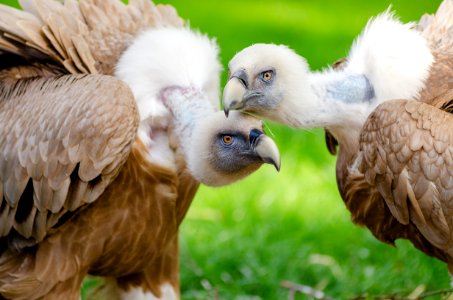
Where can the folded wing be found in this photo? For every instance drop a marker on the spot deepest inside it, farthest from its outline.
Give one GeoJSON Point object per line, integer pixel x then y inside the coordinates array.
{"type": "Point", "coordinates": [62, 141]}
{"type": "Point", "coordinates": [407, 153]}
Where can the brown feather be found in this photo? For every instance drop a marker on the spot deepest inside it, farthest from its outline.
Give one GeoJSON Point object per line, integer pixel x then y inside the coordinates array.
{"type": "Point", "coordinates": [146, 197]}
{"type": "Point", "coordinates": [400, 185]}
{"type": "Point", "coordinates": [411, 192]}
{"type": "Point", "coordinates": [331, 142]}
{"type": "Point", "coordinates": [27, 161]}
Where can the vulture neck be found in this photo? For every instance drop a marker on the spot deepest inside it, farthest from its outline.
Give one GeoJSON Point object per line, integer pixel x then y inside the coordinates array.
{"type": "Point", "coordinates": [189, 107]}
{"type": "Point", "coordinates": [389, 60]}
{"type": "Point", "coordinates": [337, 101]}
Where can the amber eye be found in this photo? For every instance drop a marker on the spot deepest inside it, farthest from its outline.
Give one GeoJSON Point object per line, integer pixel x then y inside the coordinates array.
{"type": "Point", "coordinates": [227, 139]}
{"type": "Point", "coordinates": [267, 75]}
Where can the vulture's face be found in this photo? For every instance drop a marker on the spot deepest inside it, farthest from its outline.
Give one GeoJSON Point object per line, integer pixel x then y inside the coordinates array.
{"type": "Point", "coordinates": [219, 150]}
{"type": "Point", "coordinates": [261, 80]}
{"type": "Point", "coordinates": [225, 150]}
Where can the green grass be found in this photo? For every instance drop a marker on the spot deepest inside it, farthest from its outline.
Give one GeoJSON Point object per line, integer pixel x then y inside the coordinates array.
{"type": "Point", "coordinates": [241, 241]}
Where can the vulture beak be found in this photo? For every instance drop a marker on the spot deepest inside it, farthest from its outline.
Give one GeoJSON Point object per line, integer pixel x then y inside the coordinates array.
{"type": "Point", "coordinates": [234, 92]}
{"type": "Point", "coordinates": [265, 148]}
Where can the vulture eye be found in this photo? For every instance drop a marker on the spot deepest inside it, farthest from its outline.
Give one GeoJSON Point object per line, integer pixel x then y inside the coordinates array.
{"type": "Point", "coordinates": [267, 75]}
{"type": "Point", "coordinates": [227, 139]}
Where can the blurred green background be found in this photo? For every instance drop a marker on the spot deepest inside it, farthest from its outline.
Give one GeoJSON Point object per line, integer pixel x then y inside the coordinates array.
{"type": "Point", "coordinates": [242, 241]}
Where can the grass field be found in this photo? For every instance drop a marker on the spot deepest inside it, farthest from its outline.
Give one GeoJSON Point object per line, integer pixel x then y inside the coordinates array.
{"type": "Point", "coordinates": [240, 242]}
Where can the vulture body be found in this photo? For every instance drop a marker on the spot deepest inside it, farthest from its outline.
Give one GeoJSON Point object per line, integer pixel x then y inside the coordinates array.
{"type": "Point", "coordinates": [388, 108]}
{"type": "Point", "coordinates": [97, 171]}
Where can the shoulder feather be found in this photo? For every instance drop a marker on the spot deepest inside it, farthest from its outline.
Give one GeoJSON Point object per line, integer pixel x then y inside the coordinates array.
{"type": "Point", "coordinates": [83, 37]}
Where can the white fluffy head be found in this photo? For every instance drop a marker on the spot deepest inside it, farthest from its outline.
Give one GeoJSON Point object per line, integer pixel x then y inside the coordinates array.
{"type": "Point", "coordinates": [164, 57]}
{"type": "Point", "coordinates": [394, 57]}
{"type": "Point", "coordinates": [291, 82]}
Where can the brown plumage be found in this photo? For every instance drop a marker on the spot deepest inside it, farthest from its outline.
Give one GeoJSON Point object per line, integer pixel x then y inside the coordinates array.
{"type": "Point", "coordinates": [394, 167]}
{"type": "Point", "coordinates": [405, 160]}
{"type": "Point", "coordinates": [60, 156]}
{"type": "Point", "coordinates": [405, 168]}
{"type": "Point", "coordinates": [88, 184]}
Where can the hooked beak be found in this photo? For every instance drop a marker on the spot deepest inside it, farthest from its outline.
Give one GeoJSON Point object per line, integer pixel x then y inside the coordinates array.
{"type": "Point", "coordinates": [234, 91]}
{"type": "Point", "coordinates": [267, 150]}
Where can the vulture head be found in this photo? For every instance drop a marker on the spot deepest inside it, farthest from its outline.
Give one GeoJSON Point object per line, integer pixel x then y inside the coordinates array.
{"type": "Point", "coordinates": [230, 148]}
{"type": "Point", "coordinates": [389, 60]}
{"type": "Point", "coordinates": [174, 74]}
{"type": "Point", "coordinates": [265, 79]}
{"type": "Point", "coordinates": [218, 150]}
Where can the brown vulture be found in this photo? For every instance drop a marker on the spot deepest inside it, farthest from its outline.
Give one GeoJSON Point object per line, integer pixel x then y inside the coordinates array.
{"type": "Point", "coordinates": [108, 123]}
{"type": "Point", "coordinates": [388, 105]}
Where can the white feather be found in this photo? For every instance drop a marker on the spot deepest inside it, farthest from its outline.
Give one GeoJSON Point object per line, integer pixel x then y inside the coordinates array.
{"type": "Point", "coordinates": [137, 293]}
{"type": "Point", "coordinates": [164, 57]}
{"type": "Point", "coordinates": [167, 57]}
{"type": "Point", "coordinates": [394, 57]}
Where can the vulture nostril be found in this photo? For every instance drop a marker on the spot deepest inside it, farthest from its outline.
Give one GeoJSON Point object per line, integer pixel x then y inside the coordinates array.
{"type": "Point", "coordinates": [254, 134]}
{"type": "Point", "coordinates": [244, 83]}
{"type": "Point", "coordinates": [242, 77]}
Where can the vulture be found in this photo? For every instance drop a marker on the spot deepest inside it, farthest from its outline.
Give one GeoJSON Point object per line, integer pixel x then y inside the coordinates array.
{"type": "Point", "coordinates": [109, 121]}
{"type": "Point", "coordinates": [387, 106]}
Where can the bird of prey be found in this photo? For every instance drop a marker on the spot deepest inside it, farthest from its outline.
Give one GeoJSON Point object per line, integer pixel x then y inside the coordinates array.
{"type": "Point", "coordinates": [388, 106]}
{"type": "Point", "coordinates": [109, 121]}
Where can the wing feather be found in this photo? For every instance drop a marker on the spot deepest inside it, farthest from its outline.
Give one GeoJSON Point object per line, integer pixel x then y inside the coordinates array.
{"type": "Point", "coordinates": [7, 214]}
{"type": "Point", "coordinates": [82, 37]}
{"type": "Point", "coordinates": [412, 177]}
{"type": "Point", "coordinates": [49, 167]}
